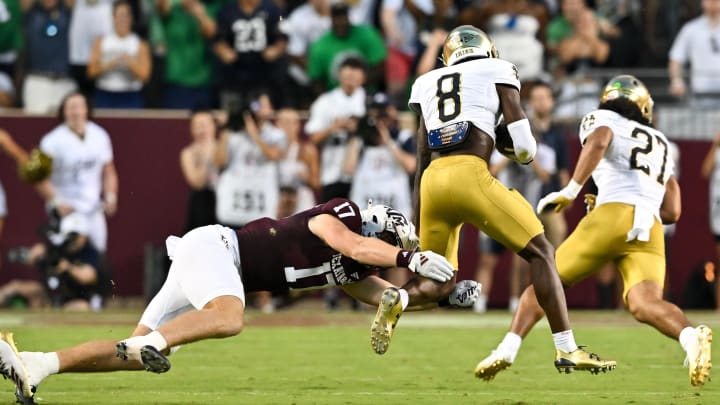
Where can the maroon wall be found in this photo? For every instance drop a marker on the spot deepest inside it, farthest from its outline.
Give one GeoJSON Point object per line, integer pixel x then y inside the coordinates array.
{"type": "Point", "coordinates": [153, 198]}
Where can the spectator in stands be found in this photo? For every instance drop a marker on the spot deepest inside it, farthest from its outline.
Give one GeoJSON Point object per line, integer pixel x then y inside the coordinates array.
{"type": "Point", "coordinates": [48, 79]}
{"type": "Point", "coordinates": [83, 169]}
{"type": "Point", "coordinates": [11, 37]}
{"type": "Point", "coordinates": [91, 19]}
{"type": "Point", "coordinates": [400, 29]}
{"type": "Point", "coordinates": [250, 46]}
{"type": "Point", "coordinates": [299, 168]}
{"type": "Point", "coordinates": [584, 47]}
{"type": "Point", "coordinates": [382, 158]}
{"type": "Point", "coordinates": [341, 42]}
{"type": "Point", "coordinates": [120, 63]}
{"type": "Point", "coordinates": [304, 26]}
{"type": "Point", "coordinates": [698, 44]}
{"type": "Point", "coordinates": [430, 58]}
{"type": "Point", "coordinates": [514, 26]}
{"type": "Point", "coordinates": [187, 26]}
{"type": "Point", "coordinates": [247, 155]}
{"type": "Point", "coordinates": [197, 162]}
{"type": "Point", "coordinates": [333, 117]}
{"type": "Point", "coordinates": [541, 104]}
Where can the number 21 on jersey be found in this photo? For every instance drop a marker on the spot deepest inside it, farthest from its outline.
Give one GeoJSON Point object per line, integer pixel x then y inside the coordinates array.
{"type": "Point", "coordinates": [652, 142]}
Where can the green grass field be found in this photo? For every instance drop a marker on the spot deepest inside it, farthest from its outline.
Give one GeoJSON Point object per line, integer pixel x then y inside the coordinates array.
{"type": "Point", "coordinates": [311, 357]}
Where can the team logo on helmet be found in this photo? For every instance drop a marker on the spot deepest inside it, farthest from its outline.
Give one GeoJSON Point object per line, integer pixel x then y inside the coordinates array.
{"type": "Point", "coordinates": [384, 222]}
{"type": "Point", "coordinates": [631, 88]}
{"type": "Point", "coordinates": [465, 42]}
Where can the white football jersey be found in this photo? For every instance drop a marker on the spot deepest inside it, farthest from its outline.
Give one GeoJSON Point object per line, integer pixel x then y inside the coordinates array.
{"type": "Point", "coordinates": [636, 165]}
{"type": "Point", "coordinates": [463, 92]}
{"type": "Point", "coordinates": [78, 164]}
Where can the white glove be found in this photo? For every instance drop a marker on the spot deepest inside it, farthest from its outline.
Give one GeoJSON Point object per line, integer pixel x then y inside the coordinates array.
{"type": "Point", "coordinates": [465, 293]}
{"type": "Point", "coordinates": [431, 265]}
{"type": "Point", "coordinates": [562, 198]}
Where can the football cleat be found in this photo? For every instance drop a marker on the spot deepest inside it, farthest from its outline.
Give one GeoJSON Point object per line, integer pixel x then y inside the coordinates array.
{"type": "Point", "coordinates": [387, 316]}
{"type": "Point", "coordinates": [582, 360]}
{"type": "Point", "coordinates": [488, 368]}
{"type": "Point", "coordinates": [698, 357]}
{"type": "Point", "coordinates": [153, 360]}
{"type": "Point", "coordinates": [12, 367]}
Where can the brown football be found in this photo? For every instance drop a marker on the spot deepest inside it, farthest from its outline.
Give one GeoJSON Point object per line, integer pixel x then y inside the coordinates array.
{"type": "Point", "coordinates": [504, 142]}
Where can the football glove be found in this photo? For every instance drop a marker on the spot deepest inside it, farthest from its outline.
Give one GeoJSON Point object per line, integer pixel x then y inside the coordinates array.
{"type": "Point", "coordinates": [465, 293]}
{"type": "Point", "coordinates": [590, 200]}
{"type": "Point", "coordinates": [431, 265]}
{"type": "Point", "coordinates": [561, 198]}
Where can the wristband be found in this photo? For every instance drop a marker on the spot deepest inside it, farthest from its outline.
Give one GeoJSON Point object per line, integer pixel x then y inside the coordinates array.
{"type": "Point", "coordinates": [574, 188]}
{"type": "Point", "coordinates": [403, 258]}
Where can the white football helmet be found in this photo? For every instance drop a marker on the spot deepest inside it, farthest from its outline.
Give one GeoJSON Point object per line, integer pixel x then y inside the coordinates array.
{"type": "Point", "coordinates": [383, 222]}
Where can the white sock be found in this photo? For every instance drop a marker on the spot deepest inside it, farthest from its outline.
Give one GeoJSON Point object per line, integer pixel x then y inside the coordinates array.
{"type": "Point", "coordinates": [404, 297]}
{"type": "Point", "coordinates": [134, 344]}
{"type": "Point", "coordinates": [40, 365]}
{"type": "Point", "coordinates": [565, 341]}
{"type": "Point", "coordinates": [687, 336]}
{"type": "Point", "coordinates": [510, 345]}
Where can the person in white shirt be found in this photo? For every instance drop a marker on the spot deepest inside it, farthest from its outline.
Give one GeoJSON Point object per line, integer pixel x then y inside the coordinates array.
{"type": "Point", "coordinates": [299, 168]}
{"type": "Point", "coordinates": [120, 63]}
{"type": "Point", "coordinates": [698, 44]}
{"type": "Point", "coordinates": [303, 26]}
{"type": "Point", "coordinates": [83, 169]}
{"type": "Point", "coordinates": [90, 19]}
{"type": "Point", "coordinates": [333, 116]}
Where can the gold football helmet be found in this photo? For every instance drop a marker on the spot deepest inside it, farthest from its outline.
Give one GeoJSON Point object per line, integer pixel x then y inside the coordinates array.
{"type": "Point", "coordinates": [628, 86]}
{"type": "Point", "coordinates": [467, 41]}
{"type": "Point", "coordinates": [37, 168]}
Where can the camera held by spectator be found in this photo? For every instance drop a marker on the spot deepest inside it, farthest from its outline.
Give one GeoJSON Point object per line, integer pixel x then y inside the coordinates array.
{"type": "Point", "coordinates": [70, 266]}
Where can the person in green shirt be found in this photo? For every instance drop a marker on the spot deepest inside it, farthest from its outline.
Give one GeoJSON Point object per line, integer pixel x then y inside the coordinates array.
{"type": "Point", "coordinates": [11, 35]}
{"type": "Point", "coordinates": [342, 41]}
{"type": "Point", "coordinates": [188, 66]}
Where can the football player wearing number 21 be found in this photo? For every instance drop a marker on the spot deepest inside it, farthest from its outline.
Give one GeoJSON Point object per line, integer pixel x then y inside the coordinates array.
{"type": "Point", "coordinates": [637, 193]}
{"type": "Point", "coordinates": [458, 105]}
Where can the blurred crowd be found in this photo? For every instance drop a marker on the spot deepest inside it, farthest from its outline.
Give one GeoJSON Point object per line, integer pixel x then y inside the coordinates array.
{"type": "Point", "coordinates": [294, 103]}
{"type": "Point", "coordinates": [195, 54]}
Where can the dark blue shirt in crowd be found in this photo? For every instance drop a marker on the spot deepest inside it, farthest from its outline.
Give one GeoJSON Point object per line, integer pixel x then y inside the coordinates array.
{"type": "Point", "coordinates": [248, 35]}
{"type": "Point", "coordinates": [46, 32]}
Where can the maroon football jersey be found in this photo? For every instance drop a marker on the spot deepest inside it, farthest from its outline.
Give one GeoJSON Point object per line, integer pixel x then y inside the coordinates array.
{"type": "Point", "coordinates": [277, 255]}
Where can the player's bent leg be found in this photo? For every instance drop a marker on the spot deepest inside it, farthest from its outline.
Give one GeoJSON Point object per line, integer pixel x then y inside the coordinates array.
{"type": "Point", "coordinates": [644, 301]}
{"type": "Point", "coordinates": [548, 287]}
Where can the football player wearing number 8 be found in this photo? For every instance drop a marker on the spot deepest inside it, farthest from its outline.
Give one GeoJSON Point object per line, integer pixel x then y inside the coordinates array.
{"type": "Point", "coordinates": [637, 193]}
{"type": "Point", "coordinates": [458, 105]}
{"type": "Point", "coordinates": [333, 244]}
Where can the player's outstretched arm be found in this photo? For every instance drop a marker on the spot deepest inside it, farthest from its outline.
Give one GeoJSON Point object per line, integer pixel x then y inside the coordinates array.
{"type": "Point", "coordinates": [375, 252]}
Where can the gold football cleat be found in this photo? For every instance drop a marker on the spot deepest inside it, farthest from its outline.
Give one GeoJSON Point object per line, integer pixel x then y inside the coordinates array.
{"type": "Point", "coordinates": [699, 362]}
{"type": "Point", "coordinates": [491, 365]}
{"type": "Point", "coordinates": [582, 360]}
{"type": "Point", "coordinates": [387, 316]}
{"type": "Point", "coordinates": [13, 368]}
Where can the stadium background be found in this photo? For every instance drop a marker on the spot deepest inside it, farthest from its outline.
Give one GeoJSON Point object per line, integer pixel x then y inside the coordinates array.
{"type": "Point", "coordinates": [153, 197]}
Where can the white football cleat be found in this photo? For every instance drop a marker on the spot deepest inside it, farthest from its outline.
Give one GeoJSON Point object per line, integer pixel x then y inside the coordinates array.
{"type": "Point", "coordinates": [12, 367]}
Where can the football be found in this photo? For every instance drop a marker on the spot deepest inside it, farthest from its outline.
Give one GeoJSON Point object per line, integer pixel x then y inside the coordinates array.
{"type": "Point", "coordinates": [504, 142]}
